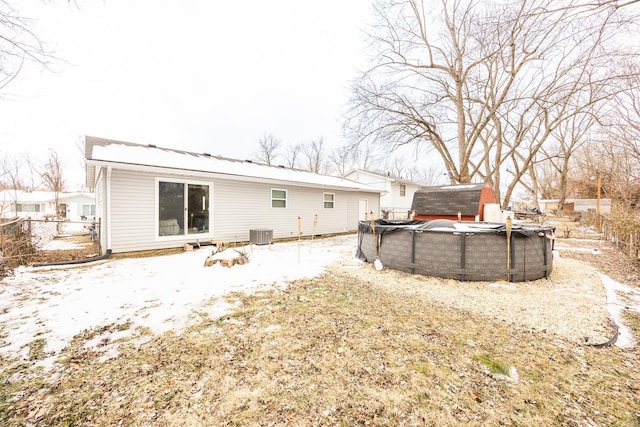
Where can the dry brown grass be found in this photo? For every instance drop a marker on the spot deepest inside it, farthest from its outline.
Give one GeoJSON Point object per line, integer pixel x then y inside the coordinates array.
{"type": "Point", "coordinates": [335, 350]}
{"type": "Point", "coordinates": [86, 248]}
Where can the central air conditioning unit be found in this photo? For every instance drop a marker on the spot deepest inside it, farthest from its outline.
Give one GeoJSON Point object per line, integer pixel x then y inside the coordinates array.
{"type": "Point", "coordinates": [261, 236]}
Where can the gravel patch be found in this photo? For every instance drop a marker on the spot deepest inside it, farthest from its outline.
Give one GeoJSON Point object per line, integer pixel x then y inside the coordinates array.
{"type": "Point", "coordinates": [571, 303]}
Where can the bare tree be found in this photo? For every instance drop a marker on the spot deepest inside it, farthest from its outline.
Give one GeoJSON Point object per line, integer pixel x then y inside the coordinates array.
{"type": "Point", "coordinates": [315, 156]}
{"type": "Point", "coordinates": [341, 159]}
{"type": "Point", "coordinates": [52, 176]}
{"type": "Point", "coordinates": [366, 156]}
{"type": "Point", "coordinates": [488, 87]}
{"type": "Point", "coordinates": [11, 180]}
{"type": "Point", "coordinates": [18, 43]}
{"type": "Point", "coordinates": [293, 152]}
{"type": "Point", "coordinates": [30, 172]}
{"type": "Point", "coordinates": [623, 122]}
{"type": "Point", "coordinates": [267, 148]}
{"type": "Point", "coordinates": [10, 173]}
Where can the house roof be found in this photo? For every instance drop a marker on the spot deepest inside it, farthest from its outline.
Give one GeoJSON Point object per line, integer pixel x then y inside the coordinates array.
{"type": "Point", "coordinates": [127, 155]}
{"type": "Point", "coordinates": [21, 196]}
{"type": "Point", "coordinates": [448, 200]}
{"type": "Point", "coordinates": [386, 177]}
{"type": "Point", "coordinates": [578, 201]}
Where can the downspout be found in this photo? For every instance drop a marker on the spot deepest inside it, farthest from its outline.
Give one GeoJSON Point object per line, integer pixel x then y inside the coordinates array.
{"type": "Point", "coordinates": [75, 261]}
{"type": "Point", "coordinates": [107, 202]}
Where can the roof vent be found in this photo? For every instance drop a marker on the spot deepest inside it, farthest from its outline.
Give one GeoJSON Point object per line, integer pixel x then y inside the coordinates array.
{"type": "Point", "coordinates": [152, 145]}
{"type": "Point", "coordinates": [281, 166]}
{"type": "Point", "coordinates": [206, 154]}
{"type": "Point", "coordinates": [249, 161]}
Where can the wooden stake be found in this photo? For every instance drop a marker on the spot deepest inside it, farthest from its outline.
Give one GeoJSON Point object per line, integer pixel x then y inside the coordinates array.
{"type": "Point", "coordinates": [299, 233]}
{"type": "Point", "coordinates": [377, 263]}
{"type": "Point", "coordinates": [509, 226]}
{"type": "Point", "coordinates": [313, 233]}
{"type": "Point", "coordinates": [373, 224]}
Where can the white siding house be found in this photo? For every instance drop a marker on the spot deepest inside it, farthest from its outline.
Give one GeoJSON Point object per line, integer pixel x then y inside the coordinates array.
{"type": "Point", "coordinates": [41, 204]}
{"type": "Point", "coordinates": [153, 198]}
{"type": "Point", "coordinates": [577, 205]}
{"type": "Point", "coordinates": [397, 193]}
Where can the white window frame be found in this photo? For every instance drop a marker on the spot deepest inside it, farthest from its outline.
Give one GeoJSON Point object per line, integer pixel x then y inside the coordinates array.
{"type": "Point", "coordinates": [36, 207]}
{"type": "Point", "coordinates": [92, 209]}
{"type": "Point", "coordinates": [286, 197]}
{"type": "Point", "coordinates": [332, 201]}
{"type": "Point", "coordinates": [185, 235]}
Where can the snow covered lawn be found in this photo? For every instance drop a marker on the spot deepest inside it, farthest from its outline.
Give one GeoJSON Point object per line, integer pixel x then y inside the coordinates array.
{"type": "Point", "coordinates": [135, 298]}
{"type": "Point", "coordinates": [159, 293]}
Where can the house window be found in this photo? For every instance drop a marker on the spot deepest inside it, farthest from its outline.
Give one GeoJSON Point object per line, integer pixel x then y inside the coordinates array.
{"type": "Point", "coordinates": [28, 207]}
{"type": "Point", "coordinates": [403, 190]}
{"type": "Point", "coordinates": [88, 210]}
{"type": "Point", "coordinates": [183, 208]}
{"type": "Point", "coordinates": [278, 198]}
{"type": "Point", "coordinates": [329, 199]}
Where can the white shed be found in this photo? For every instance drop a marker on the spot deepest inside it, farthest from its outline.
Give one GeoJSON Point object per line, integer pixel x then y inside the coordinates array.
{"type": "Point", "coordinates": [152, 198]}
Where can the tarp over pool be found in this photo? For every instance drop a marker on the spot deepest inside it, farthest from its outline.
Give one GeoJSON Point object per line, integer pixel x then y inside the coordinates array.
{"type": "Point", "coordinates": [461, 250]}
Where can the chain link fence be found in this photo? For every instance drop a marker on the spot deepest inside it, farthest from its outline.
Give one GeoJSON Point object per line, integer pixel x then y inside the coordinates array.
{"type": "Point", "coordinates": [22, 239]}
{"type": "Point", "coordinates": [623, 229]}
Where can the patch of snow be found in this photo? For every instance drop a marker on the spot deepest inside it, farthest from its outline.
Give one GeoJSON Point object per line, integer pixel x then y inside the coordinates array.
{"type": "Point", "coordinates": [229, 253]}
{"type": "Point", "coordinates": [160, 293]}
{"type": "Point", "coordinates": [615, 305]}
{"type": "Point", "coordinates": [593, 251]}
{"type": "Point", "coordinates": [60, 245]}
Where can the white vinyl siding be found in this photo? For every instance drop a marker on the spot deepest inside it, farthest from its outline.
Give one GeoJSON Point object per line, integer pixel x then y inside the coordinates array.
{"type": "Point", "coordinates": [100, 208]}
{"type": "Point", "coordinates": [133, 222]}
{"type": "Point", "coordinates": [236, 207]}
{"type": "Point", "coordinates": [251, 209]}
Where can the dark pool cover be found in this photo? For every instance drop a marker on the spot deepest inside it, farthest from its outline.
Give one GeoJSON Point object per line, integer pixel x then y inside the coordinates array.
{"type": "Point", "coordinates": [458, 249]}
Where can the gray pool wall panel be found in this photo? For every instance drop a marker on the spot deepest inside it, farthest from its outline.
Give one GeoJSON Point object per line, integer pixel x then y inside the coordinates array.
{"type": "Point", "coordinates": [478, 256]}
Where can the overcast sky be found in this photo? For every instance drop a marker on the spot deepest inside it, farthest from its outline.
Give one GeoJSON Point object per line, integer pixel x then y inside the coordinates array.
{"type": "Point", "coordinates": [199, 75]}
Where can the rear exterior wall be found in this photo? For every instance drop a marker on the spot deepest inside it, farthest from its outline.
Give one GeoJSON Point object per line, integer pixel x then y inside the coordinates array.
{"type": "Point", "coordinates": [236, 207]}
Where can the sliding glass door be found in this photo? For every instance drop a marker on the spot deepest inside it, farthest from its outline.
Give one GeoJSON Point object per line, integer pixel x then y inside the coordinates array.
{"type": "Point", "coordinates": [183, 208]}
{"type": "Point", "coordinates": [198, 208]}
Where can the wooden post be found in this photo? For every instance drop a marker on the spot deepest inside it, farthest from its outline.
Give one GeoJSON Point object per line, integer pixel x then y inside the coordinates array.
{"type": "Point", "coordinates": [299, 233]}
{"type": "Point", "coordinates": [373, 224]}
{"type": "Point", "coordinates": [509, 225]}
{"type": "Point", "coordinates": [597, 218]}
{"type": "Point", "coordinates": [315, 222]}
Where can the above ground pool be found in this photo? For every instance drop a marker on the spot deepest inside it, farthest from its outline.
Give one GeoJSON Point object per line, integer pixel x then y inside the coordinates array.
{"type": "Point", "coordinates": [460, 250]}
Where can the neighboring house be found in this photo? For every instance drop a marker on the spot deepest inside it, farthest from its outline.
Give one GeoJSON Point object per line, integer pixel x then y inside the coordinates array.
{"type": "Point", "coordinates": [78, 206]}
{"type": "Point", "coordinates": [42, 204]}
{"type": "Point", "coordinates": [397, 193]}
{"type": "Point", "coordinates": [576, 205]}
{"type": "Point", "coordinates": [152, 198]}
